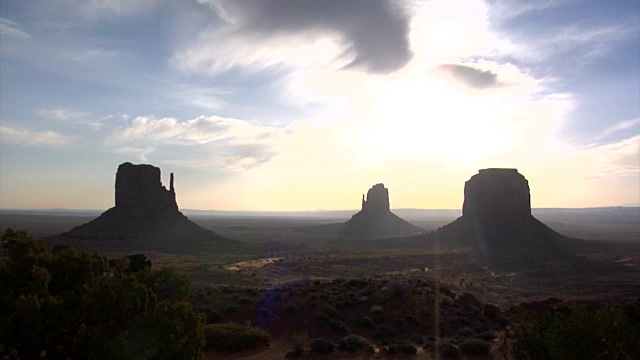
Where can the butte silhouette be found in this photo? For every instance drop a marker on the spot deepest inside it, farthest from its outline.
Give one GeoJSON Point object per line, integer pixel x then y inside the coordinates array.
{"type": "Point", "coordinates": [145, 218]}
{"type": "Point", "coordinates": [376, 220]}
{"type": "Point", "coordinates": [496, 221]}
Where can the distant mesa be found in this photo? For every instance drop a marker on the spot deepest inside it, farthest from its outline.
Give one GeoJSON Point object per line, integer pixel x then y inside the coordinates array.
{"type": "Point", "coordinates": [145, 218]}
{"type": "Point", "coordinates": [376, 220]}
{"type": "Point", "coordinates": [496, 220]}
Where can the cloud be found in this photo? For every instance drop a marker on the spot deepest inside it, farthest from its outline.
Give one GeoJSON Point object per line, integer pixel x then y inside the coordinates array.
{"type": "Point", "coordinates": [368, 35]}
{"type": "Point", "coordinates": [236, 145]}
{"type": "Point", "coordinates": [61, 114]}
{"type": "Point", "coordinates": [29, 138]}
{"type": "Point", "coordinates": [12, 29]}
{"type": "Point", "coordinates": [617, 159]}
{"type": "Point", "coordinates": [621, 126]}
{"type": "Point", "coordinates": [98, 8]}
{"type": "Point", "coordinates": [140, 153]}
{"type": "Point", "coordinates": [471, 76]}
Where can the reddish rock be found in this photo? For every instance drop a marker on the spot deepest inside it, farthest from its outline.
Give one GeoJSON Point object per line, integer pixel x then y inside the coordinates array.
{"type": "Point", "coordinates": [491, 311]}
{"type": "Point", "coordinates": [467, 298]}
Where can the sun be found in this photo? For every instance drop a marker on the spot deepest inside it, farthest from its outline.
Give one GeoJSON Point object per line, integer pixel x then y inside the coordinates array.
{"type": "Point", "coordinates": [427, 116]}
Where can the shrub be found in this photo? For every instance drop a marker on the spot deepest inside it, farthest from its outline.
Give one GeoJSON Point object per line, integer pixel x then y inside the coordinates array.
{"type": "Point", "coordinates": [233, 337]}
{"type": "Point", "coordinates": [449, 351]}
{"type": "Point", "coordinates": [366, 322]}
{"type": "Point", "coordinates": [323, 318]}
{"type": "Point", "coordinates": [354, 343]}
{"type": "Point", "coordinates": [447, 301]}
{"type": "Point", "coordinates": [291, 308]}
{"type": "Point", "coordinates": [264, 313]}
{"type": "Point", "coordinates": [230, 309]}
{"type": "Point", "coordinates": [466, 332]}
{"type": "Point", "coordinates": [475, 347]}
{"type": "Point", "coordinates": [322, 346]}
{"type": "Point", "coordinates": [298, 343]}
{"type": "Point", "coordinates": [357, 283]}
{"type": "Point", "coordinates": [338, 326]}
{"type": "Point", "coordinates": [330, 311]}
{"type": "Point", "coordinates": [213, 316]}
{"type": "Point", "coordinates": [501, 320]}
{"type": "Point", "coordinates": [386, 331]}
{"type": "Point", "coordinates": [403, 347]}
{"type": "Point", "coordinates": [580, 332]}
{"type": "Point", "coordinates": [486, 335]}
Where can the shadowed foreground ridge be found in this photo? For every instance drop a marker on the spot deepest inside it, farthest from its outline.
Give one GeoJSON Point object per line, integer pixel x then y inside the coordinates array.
{"type": "Point", "coordinates": [376, 220]}
{"type": "Point", "coordinates": [145, 218]}
{"type": "Point", "coordinates": [496, 221]}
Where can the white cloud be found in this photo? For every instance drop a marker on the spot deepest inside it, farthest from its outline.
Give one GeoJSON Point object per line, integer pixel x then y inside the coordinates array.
{"type": "Point", "coordinates": [621, 126]}
{"type": "Point", "coordinates": [61, 114]}
{"type": "Point", "coordinates": [30, 138]}
{"type": "Point", "coordinates": [12, 29]}
{"type": "Point", "coordinates": [236, 145]}
{"type": "Point", "coordinates": [140, 153]}
{"type": "Point", "coordinates": [97, 8]}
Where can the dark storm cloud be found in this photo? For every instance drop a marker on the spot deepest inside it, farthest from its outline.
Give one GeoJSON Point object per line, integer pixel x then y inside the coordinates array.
{"type": "Point", "coordinates": [376, 29]}
{"type": "Point", "coordinates": [471, 76]}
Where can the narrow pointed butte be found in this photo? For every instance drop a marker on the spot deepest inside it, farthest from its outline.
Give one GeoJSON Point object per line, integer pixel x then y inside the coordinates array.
{"type": "Point", "coordinates": [376, 220]}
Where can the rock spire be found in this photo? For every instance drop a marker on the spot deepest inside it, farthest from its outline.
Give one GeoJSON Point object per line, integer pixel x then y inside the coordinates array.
{"type": "Point", "coordinates": [376, 220]}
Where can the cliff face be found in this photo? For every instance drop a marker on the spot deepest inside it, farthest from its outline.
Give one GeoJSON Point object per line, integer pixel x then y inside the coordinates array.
{"type": "Point", "coordinates": [377, 199]}
{"type": "Point", "coordinates": [145, 218]}
{"type": "Point", "coordinates": [497, 193]}
{"type": "Point", "coordinates": [376, 220]}
{"type": "Point", "coordinates": [139, 186]}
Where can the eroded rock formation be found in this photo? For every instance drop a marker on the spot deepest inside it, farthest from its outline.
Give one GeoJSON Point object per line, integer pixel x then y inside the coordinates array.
{"type": "Point", "coordinates": [139, 186]}
{"type": "Point", "coordinates": [377, 199]}
{"type": "Point", "coordinates": [496, 220]}
{"type": "Point", "coordinates": [376, 220]}
{"type": "Point", "coordinates": [145, 218]}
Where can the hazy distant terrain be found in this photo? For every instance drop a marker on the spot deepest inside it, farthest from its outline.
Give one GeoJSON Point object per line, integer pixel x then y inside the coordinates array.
{"type": "Point", "coordinates": [610, 223]}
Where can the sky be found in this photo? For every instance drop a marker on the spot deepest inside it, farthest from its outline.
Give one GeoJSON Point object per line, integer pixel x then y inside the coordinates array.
{"type": "Point", "coordinates": [304, 105]}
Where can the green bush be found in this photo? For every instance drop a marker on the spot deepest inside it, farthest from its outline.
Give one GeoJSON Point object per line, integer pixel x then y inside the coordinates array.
{"type": "Point", "coordinates": [233, 337]}
{"type": "Point", "coordinates": [330, 311]}
{"type": "Point", "coordinates": [291, 308]}
{"type": "Point", "coordinates": [323, 318]}
{"type": "Point", "coordinates": [447, 301]}
{"type": "Point", "coordinates": [357, 283]}
{"type": "Point", "coordinates": [264, 313]}
{"type": "Point", "coordinates": [403, 347]}
{"type": "Point", "coordinates": [475, 347]}
{"type": "Point", "coordinates": [213, 316]}
{"type": "Point", "coordinates": [299, 341]}
{"type": "Point", "coordinates": [449, 351]}
{"type": "Point", "coordinates": [579, 332]}
{"type": "Point", "coordinates": [354, 343]}
{"type": "Point", "coordinates": [366, 322]}
{"type": "Point", "coordinates": [322, 346]}
{"type": "Point", "coordinates": [466, 332]}
{"type": "Point", "coordinates": [338, 326]}
{"type": "Point", "coordinates": [486, 335]}
{"type": "Point", "coordinates": [73, 305]}
{"type": "Point", "coordinates": [232, 308]}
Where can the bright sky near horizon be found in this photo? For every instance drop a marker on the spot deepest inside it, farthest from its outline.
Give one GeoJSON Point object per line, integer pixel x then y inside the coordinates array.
{"type": "Point", "coordinates": [303, 105]}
